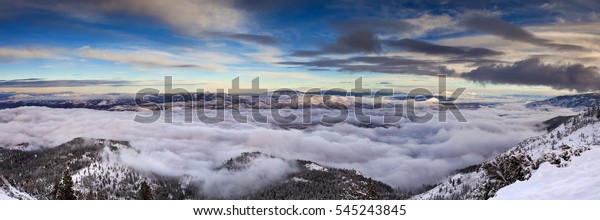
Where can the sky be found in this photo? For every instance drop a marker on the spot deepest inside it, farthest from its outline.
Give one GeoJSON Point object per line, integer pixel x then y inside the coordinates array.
{"type": "Point", "coordinates": [121, 46]}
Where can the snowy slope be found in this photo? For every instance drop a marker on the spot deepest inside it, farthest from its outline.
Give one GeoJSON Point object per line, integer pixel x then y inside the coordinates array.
{"type": "Point", "coordinates": [555, 149]}
{"type": "Point", "coordinates": [579, 180]}
{"type": "Point", "coordinates": [8, 192]}
{"type": "Point", "coordinates": [458, 187]}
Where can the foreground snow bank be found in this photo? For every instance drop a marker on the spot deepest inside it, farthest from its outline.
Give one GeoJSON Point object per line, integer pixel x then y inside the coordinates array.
{"type": "Point", "coordinates": [3, 196]}
{"type": "Point", "coordinates": [579, 180]}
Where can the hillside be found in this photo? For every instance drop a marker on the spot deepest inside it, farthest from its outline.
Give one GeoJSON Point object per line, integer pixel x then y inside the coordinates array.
{"type": "Point", "coordinates": [556, 148]}
{"type": "Point", "coordinates": [98, 173]}
{"type": "Point", "coordinates": [577, 102]}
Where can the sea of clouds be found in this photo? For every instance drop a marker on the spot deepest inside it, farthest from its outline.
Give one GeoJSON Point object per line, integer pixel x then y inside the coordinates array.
{"type": "Point", "coordinates": [405, 155]}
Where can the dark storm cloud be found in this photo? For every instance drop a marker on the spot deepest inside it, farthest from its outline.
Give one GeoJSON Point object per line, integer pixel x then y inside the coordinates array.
{"type": "Point", "coordinates": [435, 49]}
{"type": "Point", "coordinates": [35, 83]}
{"type": "Point", "coordinates": [534, 72]}
{"type": "Point", "coordinates": [511, 32]}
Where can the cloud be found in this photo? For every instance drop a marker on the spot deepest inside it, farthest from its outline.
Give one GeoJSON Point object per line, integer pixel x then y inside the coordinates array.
{"type": "Point", "coordinates": [280, 75]}
{"type": "Point", "coordinates": [199, 18]}
{"type": "Point", "coordinates": [148, 58]}
{"type": "Point", "coordinates": [434, 49]}
{"type": "Point", "coordinates": [7, 54]}
{"type": "Point", "coordinates": [383, 26]}
{"type": "Point", "coordinates": [37, 83]}
{"type": "Point", "coordinates": [188, 16]}
{"type": "Point", "coordinates": [347, 43]}
{"type": "Point", "coordinates": [377, 64]}
{"type": "Point", "coordinates": [254, 38]}
{"type": "Point", "coordinates": [534, 72]}
{"type": "Point", "coordinates": [358, 36]}
{"type": "Point", "coordinates": [391, 154]}
{"type": "Point", "coordinates": [511, 32]}
{"type": "Point", "coordinates": [270, 55]}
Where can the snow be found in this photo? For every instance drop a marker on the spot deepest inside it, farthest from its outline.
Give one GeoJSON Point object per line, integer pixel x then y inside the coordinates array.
{"type": "Point", "coordinates": [21, 96]}
{"type": "Point", "coordinates": [579, 180]}
{"type": "Point", "coordinates": [314, 166]}
{"type": "Point", "coordinates": [568, 139]}
{"type": "Point", "coordinates": [8, 192]}
{"type": "Point", "coordinates": [4, 196]}
{"type": "Point", "coordinates": [451, 188]}
{"type": "Point", "coordinates": [296, 179]}
{"type": "Point", "coordinates": [433, 100]}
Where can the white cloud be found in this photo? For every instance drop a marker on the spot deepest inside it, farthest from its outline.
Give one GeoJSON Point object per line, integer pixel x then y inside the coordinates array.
{"type": "Point", "coordinates": [265, 54]}
{"type": "Point", "coordinates": [29, 53]}
{"type": "Point", "coordinates": [406, 155]}
{"type": "Point", "coordinates": [149, 58]}
{"type": "Point", "coordinates": [189, 16]}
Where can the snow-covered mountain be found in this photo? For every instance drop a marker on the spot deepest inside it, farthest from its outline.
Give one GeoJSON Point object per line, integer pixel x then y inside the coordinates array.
{"type": "Point", "coordinates": [577, 102]}
{"type": "Point", "coordinates": [534, 158]}
{"type": "Point", "coordinates": [279, 100]}
{"type": "Point", "coordinates": [98, 173]}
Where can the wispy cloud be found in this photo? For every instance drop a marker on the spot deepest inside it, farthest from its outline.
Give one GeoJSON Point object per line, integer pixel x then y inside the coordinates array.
{"type": "Point", "coordinates": [38, 83]}
{"type": "Point", "coordinates": [434, 49]}
{"type": "Point", "coordinates": [147, 58]}
{"type": "Point", "coordinates": [508, 31]}
{"type": "Point", "coordinates": [28, 53]}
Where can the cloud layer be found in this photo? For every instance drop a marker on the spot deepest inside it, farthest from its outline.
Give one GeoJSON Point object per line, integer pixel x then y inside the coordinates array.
{"type": "Point", "coordinates": [406, 155]}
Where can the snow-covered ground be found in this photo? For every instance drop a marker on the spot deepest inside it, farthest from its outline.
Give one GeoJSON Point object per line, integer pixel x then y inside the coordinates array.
{"type": "Point", "coordinates": [8, 192]}
{"type": "Point", "coordinates": [313, 166]}
{"type": "Point", "coordinates": [556, 152]}
{"type": "Point", "coordinates": [579, 180]}
{"type": "Point", "coordinates": [4, 196]}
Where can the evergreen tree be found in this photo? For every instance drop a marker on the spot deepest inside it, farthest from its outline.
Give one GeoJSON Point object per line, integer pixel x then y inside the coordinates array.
{"type": "Point", "coordinates": [90, 196]}
{"type": "Point", "coordinates": [65, 189]}
{"type": "Point", "coordinates": [372, 192]}
{"type": "Point", "coordinates": [55, 189]}
{"type": "Point", "coordinates": [145, 192]}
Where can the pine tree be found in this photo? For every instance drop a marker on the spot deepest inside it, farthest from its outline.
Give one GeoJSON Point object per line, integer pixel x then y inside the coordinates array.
{"type": "Point", "coordinates": [371, 193]}
{"type": "Point", "coordinates": [65, 187]}
{"type": "Point", "coordinates": [90, 196]}
{"type": "Point", "coordinates": [145, 192]}
{"type": "Point", "coordinates": [55, 189]}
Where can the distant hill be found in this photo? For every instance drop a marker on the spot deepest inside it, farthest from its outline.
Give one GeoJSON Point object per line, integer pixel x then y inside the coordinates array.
{"type": "Point", "coordinates": [576, 102]}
